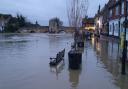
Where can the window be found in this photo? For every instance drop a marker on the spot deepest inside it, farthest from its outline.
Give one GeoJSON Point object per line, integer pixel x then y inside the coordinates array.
{"type": "Point", "coordinates": [127, 31]}
{"type": "Point", "coordinates": [127, 7]}
{"type": "Point", "coordinates": [122, 28]}
{"type": "Point", "coordinates": [122, 11]}
{"type": "Point", "coordinates": [116, 30]}
{"type": "Point", "coordinates": [110, 28]}
{"type": "Point", "coordinates": [117, 10]}
{"type": "Point", "coordinates": [110, 13]}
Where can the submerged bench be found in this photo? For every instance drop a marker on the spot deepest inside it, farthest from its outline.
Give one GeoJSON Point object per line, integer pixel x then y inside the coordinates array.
{"type": "Point", "coordinates": [58, 59]}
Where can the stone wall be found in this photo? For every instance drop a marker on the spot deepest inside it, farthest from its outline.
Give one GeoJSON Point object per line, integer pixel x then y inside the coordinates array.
{"type": "Point", "coordinates": [43, 29]}
{"type": "Point", "coordinates": [69, 29]}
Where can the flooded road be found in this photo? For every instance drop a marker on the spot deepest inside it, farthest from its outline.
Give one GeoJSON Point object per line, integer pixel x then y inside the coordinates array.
{"type": "Point", "coordinates": [24, 63]}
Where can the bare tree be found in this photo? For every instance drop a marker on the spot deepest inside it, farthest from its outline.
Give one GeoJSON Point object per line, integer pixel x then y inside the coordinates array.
{"type": "Point", "coordinates": [76, 10]}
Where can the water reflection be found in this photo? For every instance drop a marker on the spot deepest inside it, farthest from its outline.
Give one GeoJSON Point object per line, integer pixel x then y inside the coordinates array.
{"type": "Point", "coordinates": [110, 54]}
{"type": "Point", "coordinates": [15, 38]}
{"type": "Point", "coordinates": [57, 69]}
{"type": "Point", "coordinates": [74, 78]}
{"type": "Point", "coordinates": [25, 65]}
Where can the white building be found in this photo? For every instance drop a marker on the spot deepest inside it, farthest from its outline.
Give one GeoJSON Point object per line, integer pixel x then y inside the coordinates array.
{"type": "Point", "coordinates": [98, 23]}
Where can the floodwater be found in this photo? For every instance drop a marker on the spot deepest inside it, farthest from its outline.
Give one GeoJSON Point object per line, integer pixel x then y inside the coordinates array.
{"type": "Point", "coordinates": [24, 63]}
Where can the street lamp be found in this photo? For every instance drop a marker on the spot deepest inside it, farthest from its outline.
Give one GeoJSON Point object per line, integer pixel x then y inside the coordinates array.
{"type": "Point", "coordinates": [124, 53]}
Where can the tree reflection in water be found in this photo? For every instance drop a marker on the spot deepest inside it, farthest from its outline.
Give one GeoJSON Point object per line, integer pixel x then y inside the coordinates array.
{"type": "Point", "coordinates": [74, 78]}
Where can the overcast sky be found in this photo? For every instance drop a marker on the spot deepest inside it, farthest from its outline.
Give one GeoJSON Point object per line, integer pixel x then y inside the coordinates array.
{"type": "Point", "coordinates": [43, 10]}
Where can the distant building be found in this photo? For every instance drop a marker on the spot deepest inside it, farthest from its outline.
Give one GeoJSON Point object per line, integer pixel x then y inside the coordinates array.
{"type": "Point", "coordinates": [105, 20]}
{"type": "Point", "coordinates": [99, 21]}
{"type": "Point", "coordinates": [102, 21]}
{"type": "Point", "coordinates": [88, 24]}
{"type": "Point", "coordinates": [33, 29]}
{"type": "Point", "coordinates": [4, 18]}
{"type": "Point", "coordinates": [55, 25]}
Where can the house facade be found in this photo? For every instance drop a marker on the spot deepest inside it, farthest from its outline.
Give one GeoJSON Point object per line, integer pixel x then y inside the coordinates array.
{"type": "Point", "coordinates": [117, 17]}
{"type": "Point", "coordinates": [105, 20]}
{"type": "Point", "coordinates": [98, 22]}
{"type": "Point", "coordinates": [88, 24]}
{"type": "Point", "coordinates": [109, 20]}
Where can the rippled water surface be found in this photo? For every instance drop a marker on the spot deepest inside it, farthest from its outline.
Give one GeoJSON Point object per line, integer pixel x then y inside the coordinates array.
{"type": "Point", "coordinates": [24, 63]}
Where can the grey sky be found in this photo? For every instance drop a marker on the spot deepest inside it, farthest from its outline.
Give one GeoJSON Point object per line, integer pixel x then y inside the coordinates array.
{"type": "Point", "coordinates": [43, 10]}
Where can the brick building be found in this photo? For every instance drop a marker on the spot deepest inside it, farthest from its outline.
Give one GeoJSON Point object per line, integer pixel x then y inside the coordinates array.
{"type": "Point", "coordinates": [109, 20]}
{"type": "Point", "coordinates": [116, 17]}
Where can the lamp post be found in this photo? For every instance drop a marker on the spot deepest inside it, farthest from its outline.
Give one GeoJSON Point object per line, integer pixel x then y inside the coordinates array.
{"type": "Point", "coordinates": [124, 53]}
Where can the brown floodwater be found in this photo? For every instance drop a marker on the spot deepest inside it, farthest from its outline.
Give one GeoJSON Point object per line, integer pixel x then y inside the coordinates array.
{"type": "Point", "coordinates": [24, 63]}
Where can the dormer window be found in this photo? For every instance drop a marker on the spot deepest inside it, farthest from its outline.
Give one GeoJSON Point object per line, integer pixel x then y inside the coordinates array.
{"type": "Point", "coordinates": [122, 9]}
{"type": "Point", "coordinates": [110, 13]}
